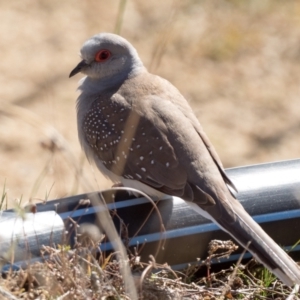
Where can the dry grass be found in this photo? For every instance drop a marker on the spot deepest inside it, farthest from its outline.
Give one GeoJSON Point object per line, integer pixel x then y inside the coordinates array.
{"type": "Point", "coordinates": [79, 274]}
{"type": "Point", "coordinates": [236, 62]}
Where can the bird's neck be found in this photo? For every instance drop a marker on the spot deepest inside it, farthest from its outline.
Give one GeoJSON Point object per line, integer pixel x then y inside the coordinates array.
{"type": "Point", "coordinates": [89, 86]}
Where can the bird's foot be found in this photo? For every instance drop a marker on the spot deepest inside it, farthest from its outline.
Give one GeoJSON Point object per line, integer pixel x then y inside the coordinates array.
{"type": "Point", "coordinates": [118, 184]}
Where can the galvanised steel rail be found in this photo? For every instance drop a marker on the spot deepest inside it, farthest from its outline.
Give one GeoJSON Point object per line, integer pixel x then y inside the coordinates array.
{"type": "Point", "coordinates": [270, 192]}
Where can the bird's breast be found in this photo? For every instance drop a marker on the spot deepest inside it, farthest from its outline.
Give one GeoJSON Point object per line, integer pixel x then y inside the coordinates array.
{"type": "Point", "coordinates": [103, 128]}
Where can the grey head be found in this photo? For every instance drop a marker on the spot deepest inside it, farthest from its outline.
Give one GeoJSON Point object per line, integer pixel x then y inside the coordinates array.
{"type": "Point", "coordinates": [108, 59]}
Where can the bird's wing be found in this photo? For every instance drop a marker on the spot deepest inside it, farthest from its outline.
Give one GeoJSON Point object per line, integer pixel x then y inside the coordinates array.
{"type": "Point", "coordinates": [139, 146]}
{"type": "Point", "coordinates": [181, 104]}
{"type": "Point", "coordinates": [129, 145]}
{"type": "Point", "coordinates": [216, 158]}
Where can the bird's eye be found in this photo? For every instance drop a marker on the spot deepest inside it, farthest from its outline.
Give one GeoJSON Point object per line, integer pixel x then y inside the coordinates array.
{"type": "Point", "coordinates": [102, 55]}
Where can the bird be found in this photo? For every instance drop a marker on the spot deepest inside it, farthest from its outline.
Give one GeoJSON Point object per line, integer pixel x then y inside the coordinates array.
{"type": "Point", "coordinates": [140, 131]}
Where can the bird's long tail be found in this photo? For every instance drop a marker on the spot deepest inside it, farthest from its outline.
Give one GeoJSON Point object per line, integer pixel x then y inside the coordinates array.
{"type": "Point", "coordinates": [244, 229]}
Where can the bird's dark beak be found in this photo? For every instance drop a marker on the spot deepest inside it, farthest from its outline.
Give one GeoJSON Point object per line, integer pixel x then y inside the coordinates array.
{"type": "Point", "coordinates": [78, 68]}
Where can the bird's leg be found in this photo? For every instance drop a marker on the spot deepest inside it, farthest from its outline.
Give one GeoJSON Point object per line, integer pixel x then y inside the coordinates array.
{"type": "Point", "coordinates": [117, 184]}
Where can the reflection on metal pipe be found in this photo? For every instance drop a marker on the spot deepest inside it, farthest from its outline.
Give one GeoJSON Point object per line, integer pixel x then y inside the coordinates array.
{"type": "Point", "coordinates": [269, 192]}
{"type": "Point", "coordinates": [21, 236]}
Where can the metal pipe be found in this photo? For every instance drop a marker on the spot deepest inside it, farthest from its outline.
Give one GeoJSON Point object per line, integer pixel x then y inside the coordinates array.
{"type": "Point", "coordinates": [269, 192]}
{"type": "Point", "coordinates": [23, 234]}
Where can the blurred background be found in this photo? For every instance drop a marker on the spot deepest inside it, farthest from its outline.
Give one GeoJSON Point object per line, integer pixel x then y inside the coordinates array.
{"type": "Point", "coordinates": [237, 62]}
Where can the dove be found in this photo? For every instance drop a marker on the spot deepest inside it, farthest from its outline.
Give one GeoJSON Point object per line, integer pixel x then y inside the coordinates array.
{"type": "Point", "coordinates": [141, 132]}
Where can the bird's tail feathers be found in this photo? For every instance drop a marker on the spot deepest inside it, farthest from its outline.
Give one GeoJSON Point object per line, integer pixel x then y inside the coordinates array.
{"type": "Point", "coordinates": [262, 246]}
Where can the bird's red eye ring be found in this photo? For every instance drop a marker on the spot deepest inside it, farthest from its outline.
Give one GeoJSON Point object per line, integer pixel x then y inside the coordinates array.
{"type": "Point", "coordinates": [102, 55]}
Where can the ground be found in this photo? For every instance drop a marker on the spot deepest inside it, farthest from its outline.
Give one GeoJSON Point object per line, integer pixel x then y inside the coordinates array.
{"type": "Point", "coordinates": [237, 62]}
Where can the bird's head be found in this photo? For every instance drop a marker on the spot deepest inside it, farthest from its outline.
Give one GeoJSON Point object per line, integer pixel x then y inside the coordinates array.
{"type": "Point", "coordinates": [107, 56]}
